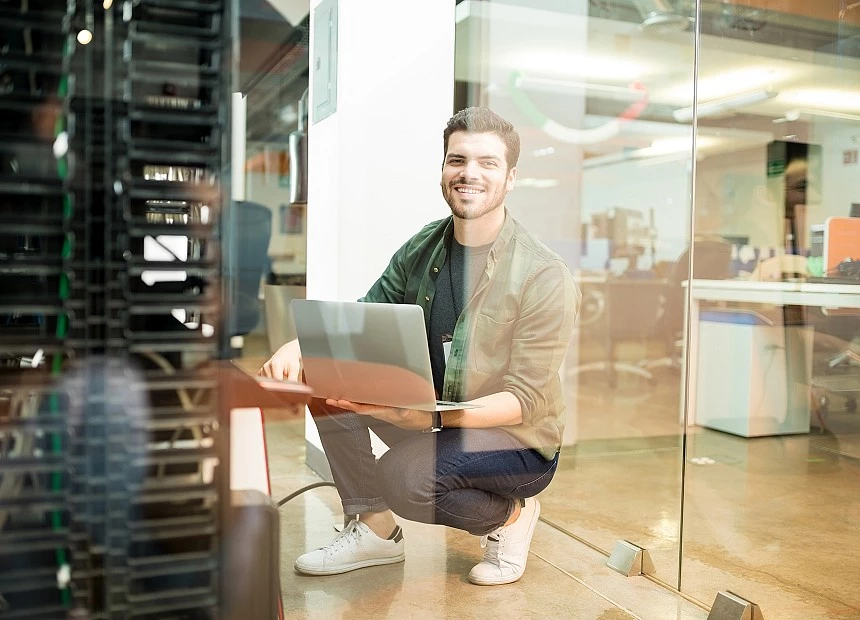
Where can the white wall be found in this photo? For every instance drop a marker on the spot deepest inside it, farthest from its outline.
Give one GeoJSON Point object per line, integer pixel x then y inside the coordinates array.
{"type": "Point", "coordinates": [840, 182]}
{"type": "Point", "coordinates": [751, 204]}
{"type": "Point", "coordinates": [736, 186]}
{"type": "Point", "coordinates": [375, 164]}
{"type": "Point", "coordinates": [641, 185]}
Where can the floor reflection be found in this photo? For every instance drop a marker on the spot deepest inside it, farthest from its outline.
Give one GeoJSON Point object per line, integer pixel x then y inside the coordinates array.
{"type": "Point", "coordinates": [772, 518]}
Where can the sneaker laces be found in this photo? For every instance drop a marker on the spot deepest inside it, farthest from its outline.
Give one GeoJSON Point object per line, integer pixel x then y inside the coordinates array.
{"type": "Point", "coordinates": [348, 534]}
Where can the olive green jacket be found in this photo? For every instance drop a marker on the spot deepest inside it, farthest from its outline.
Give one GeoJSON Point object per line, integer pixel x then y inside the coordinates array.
{"type": "Point", "coordinates": [512, 335]}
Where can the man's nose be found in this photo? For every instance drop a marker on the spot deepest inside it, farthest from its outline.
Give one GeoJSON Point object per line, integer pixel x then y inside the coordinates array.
{"type": "Point", "coordinates": [471, 170]}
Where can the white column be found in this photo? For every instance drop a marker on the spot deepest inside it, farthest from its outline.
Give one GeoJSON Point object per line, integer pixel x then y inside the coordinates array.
{"type": "Point", "coordinates": [375, 164]}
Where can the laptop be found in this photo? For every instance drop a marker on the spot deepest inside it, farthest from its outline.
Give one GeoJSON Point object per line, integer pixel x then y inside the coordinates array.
{"type": "Point", "coordinates": [367, 353]}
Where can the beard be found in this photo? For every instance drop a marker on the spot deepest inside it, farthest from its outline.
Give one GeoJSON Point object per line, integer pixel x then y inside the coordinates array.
{"type": "Point", "coordinates": [472, 206]}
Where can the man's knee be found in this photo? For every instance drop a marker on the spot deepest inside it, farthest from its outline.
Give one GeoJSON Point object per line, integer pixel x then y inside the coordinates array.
{"type": "Point", "coordinates": [406, 483]}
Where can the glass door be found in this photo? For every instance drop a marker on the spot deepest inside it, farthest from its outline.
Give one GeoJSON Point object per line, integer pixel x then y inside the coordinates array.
{"type": "Point", "coordinates": [601, 93]}
{"type": "Point", "coordinates": [771, 480]}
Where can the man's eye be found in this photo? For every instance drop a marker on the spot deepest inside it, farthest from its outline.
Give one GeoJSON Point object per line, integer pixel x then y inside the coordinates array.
{"type": "Point", "coordinates": [490, 164]}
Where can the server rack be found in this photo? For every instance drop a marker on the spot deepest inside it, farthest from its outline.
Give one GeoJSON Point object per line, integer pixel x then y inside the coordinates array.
{"type": "Point", "coordinates": [113, 198]}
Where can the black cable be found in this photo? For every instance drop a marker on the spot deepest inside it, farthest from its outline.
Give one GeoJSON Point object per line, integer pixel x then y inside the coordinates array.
{"type": "Point", "coordinates": [303, 489]}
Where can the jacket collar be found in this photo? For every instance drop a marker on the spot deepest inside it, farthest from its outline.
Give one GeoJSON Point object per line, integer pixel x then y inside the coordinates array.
{"type": "Point", "coordinates": [506, 233]}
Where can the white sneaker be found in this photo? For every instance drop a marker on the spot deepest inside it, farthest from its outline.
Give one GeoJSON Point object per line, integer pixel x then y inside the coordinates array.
{"type": "Point", "coordinates": [355, 547]}
{"type": "Point", "coordinates": [506, 550]}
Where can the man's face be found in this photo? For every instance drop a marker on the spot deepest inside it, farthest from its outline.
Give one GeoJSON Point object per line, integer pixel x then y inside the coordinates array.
{"type": "Point", "coordinates": [475, 175]}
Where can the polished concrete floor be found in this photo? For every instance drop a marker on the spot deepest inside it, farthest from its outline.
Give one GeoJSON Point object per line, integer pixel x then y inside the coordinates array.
{"type": "Point", "coordinates": [774, 519]}
{"type": "Point", "coordinates": [564, 579]}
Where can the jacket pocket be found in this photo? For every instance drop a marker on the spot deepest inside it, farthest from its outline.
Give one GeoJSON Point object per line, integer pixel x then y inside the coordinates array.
{"type": "Point", "coordinates": [492, 345]}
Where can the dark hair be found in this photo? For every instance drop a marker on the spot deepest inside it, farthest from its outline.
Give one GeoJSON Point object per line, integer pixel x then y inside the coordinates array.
{"type": "Point", "coordinates": [484, 120]}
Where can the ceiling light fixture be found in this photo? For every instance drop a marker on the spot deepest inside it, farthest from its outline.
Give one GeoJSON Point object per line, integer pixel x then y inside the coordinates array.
{"type": "Point", "coordinates": [793, 115]}
{"type": "Point", "coordinates": [726, 83]}
{"type": "Point", "coordinates": [573, 87]}
{"type": "Point", "coordinates": [563, 64]}
{"type": "Point", "coordinates": [537, 183]}
{"type": "Point", "coordinates": [829, 99]}
{"type": "Point", "coordinates": [724, 105]}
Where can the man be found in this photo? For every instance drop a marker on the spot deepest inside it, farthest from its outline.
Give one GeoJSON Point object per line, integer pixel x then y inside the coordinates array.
{"type": "Point", "coordinates": [499, 308]}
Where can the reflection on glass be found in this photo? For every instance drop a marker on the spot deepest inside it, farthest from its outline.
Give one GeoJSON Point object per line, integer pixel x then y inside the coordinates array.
{"type": "Point", "coordinates": [605, 181]}
{"type": "Point", "coordinates": [276, 183]}
{"type": "Point", "coordinates": [772, 451]}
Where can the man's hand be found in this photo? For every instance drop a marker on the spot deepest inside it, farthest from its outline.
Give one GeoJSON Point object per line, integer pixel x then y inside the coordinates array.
{"type": "Point", "coordinates": [286, 363]}
{"type": "Point", "coordinates": [409, 419]}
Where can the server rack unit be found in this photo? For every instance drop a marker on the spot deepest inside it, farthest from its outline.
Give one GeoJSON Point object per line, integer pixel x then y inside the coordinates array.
{"type": "Point", "coordinates": [113, 451]}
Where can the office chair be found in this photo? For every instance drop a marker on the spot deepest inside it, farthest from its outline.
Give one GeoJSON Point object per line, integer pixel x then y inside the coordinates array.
{"type": "Point", "coordinates": [836, 329]}
{"type": "Point", "coordinates": [712, 260]}
{"type": "Point", "coordinates": [253, 230]}
{"type": "Point", "coordinates": [620, 304]}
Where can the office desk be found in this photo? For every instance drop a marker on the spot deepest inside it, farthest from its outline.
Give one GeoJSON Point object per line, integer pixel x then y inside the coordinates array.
{"type": "Point", "coordinates": [751, 292]}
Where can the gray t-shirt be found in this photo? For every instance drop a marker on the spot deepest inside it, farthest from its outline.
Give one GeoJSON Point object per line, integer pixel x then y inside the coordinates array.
{"type": "Point", "coordinates": [456, 283]}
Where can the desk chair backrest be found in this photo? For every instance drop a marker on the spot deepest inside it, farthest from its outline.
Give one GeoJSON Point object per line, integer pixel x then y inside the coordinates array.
{"type": "Point", "coordinates": [712, 260]}
{"type": "Point", "coordinates": [253, 223]}
{"type": "Point", "coordinates": [632, 305]}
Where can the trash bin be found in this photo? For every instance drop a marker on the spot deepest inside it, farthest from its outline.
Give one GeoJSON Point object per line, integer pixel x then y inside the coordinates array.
{"type": "Point", "coordinates": [753, 374]}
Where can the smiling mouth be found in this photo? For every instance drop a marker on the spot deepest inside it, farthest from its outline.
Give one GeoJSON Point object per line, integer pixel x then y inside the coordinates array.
{"type": "Point", "coordinates": [468, 191]}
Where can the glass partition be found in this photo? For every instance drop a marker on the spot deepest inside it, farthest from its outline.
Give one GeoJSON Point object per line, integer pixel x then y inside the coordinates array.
{"type": "Point", "coordinates": [771, 475]}
{"type": "Point", "coordinates": [604, 179]}
{"type": "Point", "coordinates": [711, 411]}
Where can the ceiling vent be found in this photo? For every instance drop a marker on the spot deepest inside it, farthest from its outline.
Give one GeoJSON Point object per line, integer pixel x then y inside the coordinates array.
{"type": "Point", "coordinates": [659, 16]}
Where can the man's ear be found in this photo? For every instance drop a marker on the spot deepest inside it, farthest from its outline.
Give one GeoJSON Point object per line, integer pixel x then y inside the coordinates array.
{"type": "Point", "coordinates": [512, 178]}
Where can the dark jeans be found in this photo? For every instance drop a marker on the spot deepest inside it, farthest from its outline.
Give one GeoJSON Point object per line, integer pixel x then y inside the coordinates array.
{"type": "Point", "coordinates": [462, 478]}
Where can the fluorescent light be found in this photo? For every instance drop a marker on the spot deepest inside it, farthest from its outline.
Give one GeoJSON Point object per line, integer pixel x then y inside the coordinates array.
{"type": "Point", "coordinates": [662, 150]}
{"type": "Point", "coordinates": [667, 146]}
{"type": "Point", "coordinates": [536, 183]}
{"type": "Point", "coordinates": [543, 152]}
{"type": "Point", "coordinates": [726, 104]}
{"type": "Point", "coordinates": [572, 87]}
{"type": "Point", "coordinates": [728, 83]}
{"type": "Point", "coordinates": [561, 64]}
{"type": "Point", "coordinates": [829, 99]}
{"type": "Point", "coordinates": [793, 115]}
